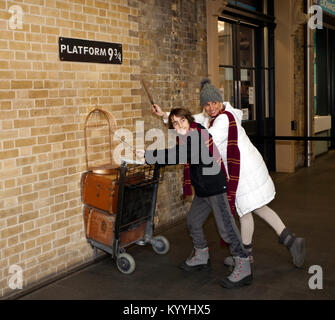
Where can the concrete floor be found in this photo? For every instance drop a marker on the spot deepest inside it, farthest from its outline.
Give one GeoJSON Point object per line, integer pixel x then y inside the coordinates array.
{"type": "Point", "coordinates": [304, 201]}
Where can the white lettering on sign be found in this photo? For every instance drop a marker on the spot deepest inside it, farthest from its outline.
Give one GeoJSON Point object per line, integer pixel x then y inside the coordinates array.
{"type": "Point", "coordinates": [92, 51]}
{"type": "Point", "coordinates": [62, 47]}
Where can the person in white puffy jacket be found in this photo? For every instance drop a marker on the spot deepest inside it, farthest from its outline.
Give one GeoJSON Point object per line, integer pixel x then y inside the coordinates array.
{"type": "Point", "coordinates": [255, 187]}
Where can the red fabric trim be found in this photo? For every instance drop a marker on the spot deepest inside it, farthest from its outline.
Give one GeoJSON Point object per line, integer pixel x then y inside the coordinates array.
{"type": "Point", "coordinates": [233, 158]}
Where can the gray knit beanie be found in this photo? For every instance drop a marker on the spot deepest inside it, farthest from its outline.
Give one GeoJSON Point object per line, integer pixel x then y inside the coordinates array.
{"type": "Point", "coordinates": [209, 92]}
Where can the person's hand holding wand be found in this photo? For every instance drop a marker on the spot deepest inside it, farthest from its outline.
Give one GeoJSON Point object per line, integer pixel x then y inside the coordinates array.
{"type": "Point", "coordinates": [156, 109]}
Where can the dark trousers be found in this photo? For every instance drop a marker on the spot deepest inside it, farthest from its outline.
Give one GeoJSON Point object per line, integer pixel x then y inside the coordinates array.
{"type": "Point", "coordinates": [198, 214]}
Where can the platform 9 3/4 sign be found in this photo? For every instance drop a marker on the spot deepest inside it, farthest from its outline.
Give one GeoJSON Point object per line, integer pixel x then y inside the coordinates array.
{"type": "Point", "coordinates": [89, 51]}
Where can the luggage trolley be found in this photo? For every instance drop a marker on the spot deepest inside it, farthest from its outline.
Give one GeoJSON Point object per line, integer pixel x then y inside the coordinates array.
{"type": "Point", "coordinates": [136, 188]}
{"type": "Point", "coordinates": [119, 200]}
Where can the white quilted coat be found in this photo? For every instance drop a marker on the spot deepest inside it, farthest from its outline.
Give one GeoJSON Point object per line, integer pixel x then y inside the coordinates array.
{"type": "Point", "coordinates": [255, 188]}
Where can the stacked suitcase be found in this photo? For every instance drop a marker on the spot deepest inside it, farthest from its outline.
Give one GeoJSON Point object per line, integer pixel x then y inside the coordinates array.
{"type": "Point", "coordinates": [119, 209]}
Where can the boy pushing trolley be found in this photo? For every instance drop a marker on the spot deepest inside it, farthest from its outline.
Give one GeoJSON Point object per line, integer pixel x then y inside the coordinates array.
{"type": "Point", "coordinates": [205, 171]}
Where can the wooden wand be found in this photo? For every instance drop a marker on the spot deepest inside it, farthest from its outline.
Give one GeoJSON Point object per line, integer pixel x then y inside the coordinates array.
{"type": "Point", "coordinates": [148, 94]}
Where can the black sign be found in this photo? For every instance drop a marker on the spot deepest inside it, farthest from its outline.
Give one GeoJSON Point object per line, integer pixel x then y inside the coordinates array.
{"type": "Point", "coordinates": [89, 51]}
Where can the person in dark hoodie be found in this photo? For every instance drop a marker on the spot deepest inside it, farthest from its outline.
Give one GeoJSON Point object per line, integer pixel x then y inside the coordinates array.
{"type": "Point", "coordinates": [204, 170]}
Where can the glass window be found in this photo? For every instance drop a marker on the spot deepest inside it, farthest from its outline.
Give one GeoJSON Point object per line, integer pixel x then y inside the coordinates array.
{"type": "Point", "coordinates": [266, 47]}
{"type": "Point", "coordinates": [246, 47]}
{"type": "Point", "coordinates": [225, 43]}
{"type": "Point", "coordinates": [322, 71]}
{"type": "Point", "coordinates": [248, 94]}
{"type": "Point", "coordinates": [267, 96]}
{"type": "Point", "coordinates": [246, 4]}
{"type": "Point", "coordinates": [227, 84]}
{"type": "Point", "coordinates": [261, 6]}
{"type": "Point", "coordinates": [265, 6]}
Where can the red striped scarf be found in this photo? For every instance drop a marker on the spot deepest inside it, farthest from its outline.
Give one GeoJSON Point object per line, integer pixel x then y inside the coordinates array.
{"type": "Point", "coordinates": [233, 158]}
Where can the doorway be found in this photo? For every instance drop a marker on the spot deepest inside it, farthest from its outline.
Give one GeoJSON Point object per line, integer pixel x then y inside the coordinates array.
{"type": "Point", "coordinates": [325, 77]}
{"type": "Point", "coordinates": [246, 79]}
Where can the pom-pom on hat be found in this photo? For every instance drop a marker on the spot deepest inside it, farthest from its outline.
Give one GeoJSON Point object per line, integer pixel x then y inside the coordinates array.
{"type": "Point", "coordinates": [209, 92]}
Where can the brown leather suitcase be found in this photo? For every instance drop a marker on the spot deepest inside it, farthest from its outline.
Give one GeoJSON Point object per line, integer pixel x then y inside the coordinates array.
{"type": "Point", "coordinates": [99, 226]}
{"type": "Point", "coordinates": [100, 191]}
{"type": "Point", "coordinates": [134, 234]}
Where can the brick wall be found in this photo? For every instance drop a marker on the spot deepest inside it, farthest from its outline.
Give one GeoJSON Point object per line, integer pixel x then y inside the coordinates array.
{"type": "Point", "coordinates": [44, 103]}
{"type": "Point", "coordinates": [173, 60]}
{"type": "Point", "coordinates": [299, 92]}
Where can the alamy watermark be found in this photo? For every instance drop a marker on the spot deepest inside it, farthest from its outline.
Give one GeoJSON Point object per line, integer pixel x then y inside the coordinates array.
{"type": "Point", "coordinates": [16, 18]}
{"type": "Point", "coordinates": [315, 281]}
{"type": "Point", "coordinates": [192, 148]}
{"type": "Point", "coordinates": [316, 20]}
{"type": "Point", "coordinates": [15, 281]}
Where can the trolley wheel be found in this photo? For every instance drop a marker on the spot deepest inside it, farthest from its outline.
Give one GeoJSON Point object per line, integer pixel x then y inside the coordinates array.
{"type": "Point", "coordinates": [125, 263]}
{"type": "Point", "coordinates": [160, 245]}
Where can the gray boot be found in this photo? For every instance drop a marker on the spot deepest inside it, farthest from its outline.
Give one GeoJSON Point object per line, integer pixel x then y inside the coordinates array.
{"type": "Point", "coordinates": [198, 260]}
{"type": "Point", "coordinates": [241, 275]}
{"type": "Point", "coordinates": [296, 246]}
{"type": "Point", "coordinates": [229, 261]}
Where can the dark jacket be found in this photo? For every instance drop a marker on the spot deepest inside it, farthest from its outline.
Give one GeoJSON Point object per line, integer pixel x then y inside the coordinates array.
{"type": "Point", "coordinates": [207, 177]}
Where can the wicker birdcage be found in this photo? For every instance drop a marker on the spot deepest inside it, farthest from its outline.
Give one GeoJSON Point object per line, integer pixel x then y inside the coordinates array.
{"type": "Point", "coordinates": [98, 132]}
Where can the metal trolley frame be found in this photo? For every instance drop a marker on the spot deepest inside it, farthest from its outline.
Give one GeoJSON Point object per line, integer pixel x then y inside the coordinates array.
{"type": "Point", "coordinates": [137, 195]}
